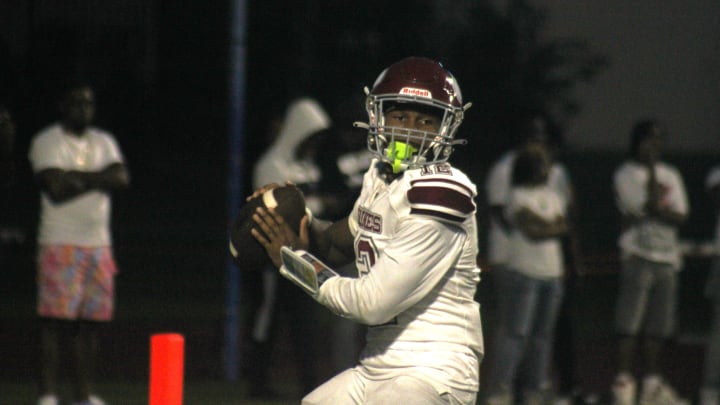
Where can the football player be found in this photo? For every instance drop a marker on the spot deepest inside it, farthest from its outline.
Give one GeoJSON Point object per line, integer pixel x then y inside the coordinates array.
{"type": "Point", "coordinates": [412, 234]}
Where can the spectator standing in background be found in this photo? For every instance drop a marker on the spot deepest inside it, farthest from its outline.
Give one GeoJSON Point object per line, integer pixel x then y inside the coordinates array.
{"type": "Point", "coordinates": [710, 389]}
{"type": "Point", "coordinates": [291, 157]}
{"type": "Point", "coordinates": [650, 195]}
{"type": "Point", "coordinates": [530, 287]}
{"type": "Point", "coordinates": [534, 127]}
{"type": "Point", "coordinates": [76, 168]}
{"type": "Point", "coordinates": [531, 127]}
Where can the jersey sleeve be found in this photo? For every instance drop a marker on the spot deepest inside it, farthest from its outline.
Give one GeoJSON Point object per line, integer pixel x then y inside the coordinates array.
{"type": "Point", "coordinates": [421, 253]}
{"type": "Point", "coordinates": [441, 198]}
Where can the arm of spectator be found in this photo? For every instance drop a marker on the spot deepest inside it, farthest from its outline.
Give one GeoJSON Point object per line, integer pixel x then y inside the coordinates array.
{"type": "Point", "coordinates": [666, 214]}
{"type": "Point", "coordinates": [62, 185]}
{"type": "Point", "coordinates": [654, 206]}
{"type": "Point", "coordinates": [537, 228]}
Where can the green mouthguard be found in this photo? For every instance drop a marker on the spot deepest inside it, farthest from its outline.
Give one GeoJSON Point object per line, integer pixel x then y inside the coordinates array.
{"type": "Point", "coordinates": [396, 152]}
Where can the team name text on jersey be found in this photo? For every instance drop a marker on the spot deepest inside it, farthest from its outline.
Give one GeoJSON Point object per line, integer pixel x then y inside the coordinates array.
{"type": "Point", "coordinates": [369, 221]}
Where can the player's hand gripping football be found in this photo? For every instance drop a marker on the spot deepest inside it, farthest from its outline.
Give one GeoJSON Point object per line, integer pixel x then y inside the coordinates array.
{"type": "Point", "coordinates": [278, 233]}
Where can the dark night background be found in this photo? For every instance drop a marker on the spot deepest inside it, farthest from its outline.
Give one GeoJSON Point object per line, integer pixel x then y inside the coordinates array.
{"type": "Point", "coordinates": [161, 70]}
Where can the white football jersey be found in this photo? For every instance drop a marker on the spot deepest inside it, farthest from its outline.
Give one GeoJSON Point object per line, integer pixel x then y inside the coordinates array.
{"type": "Point", "coordinates": [416, 250]}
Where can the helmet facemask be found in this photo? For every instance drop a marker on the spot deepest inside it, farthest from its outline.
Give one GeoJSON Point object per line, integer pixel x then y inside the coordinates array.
{"type": "Point", "coordinates": [424, 86]}
{"type": "Point", "coordinates": [405, 148]}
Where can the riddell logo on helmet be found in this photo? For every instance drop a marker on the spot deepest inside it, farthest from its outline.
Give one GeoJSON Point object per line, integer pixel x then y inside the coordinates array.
{"type": "Point", "coordinates": [411, 91]}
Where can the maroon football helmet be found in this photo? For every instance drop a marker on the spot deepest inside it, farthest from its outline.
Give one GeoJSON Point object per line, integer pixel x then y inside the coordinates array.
{"type": "Point", "coordinates": [428, 86]}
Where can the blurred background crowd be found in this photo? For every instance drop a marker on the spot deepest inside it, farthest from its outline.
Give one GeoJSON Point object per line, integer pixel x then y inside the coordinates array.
{"type": "Point", "coordinates": [194, 92]}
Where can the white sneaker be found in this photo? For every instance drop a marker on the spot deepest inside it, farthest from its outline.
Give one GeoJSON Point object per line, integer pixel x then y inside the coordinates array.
{"type": "Point", "coordinates": [709, 396]}
{"type": "Point", "coordinates": [657, 392]}
{"type": "Point", "coordinates": [49, 399]}
{"type": "Point", "coordinates": [623, 390]}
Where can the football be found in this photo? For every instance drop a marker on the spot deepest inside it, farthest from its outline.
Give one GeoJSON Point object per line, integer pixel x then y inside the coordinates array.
{"type": "Point", "coordinates": [246, 251]}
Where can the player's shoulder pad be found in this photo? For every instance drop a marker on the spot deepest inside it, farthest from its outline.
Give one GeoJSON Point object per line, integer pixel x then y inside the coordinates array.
{"type": "Point", "coordinates": [441, 192]}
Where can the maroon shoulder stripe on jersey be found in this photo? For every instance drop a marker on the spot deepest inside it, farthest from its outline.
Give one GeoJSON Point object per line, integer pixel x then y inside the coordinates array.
{"type": "Point", "coordinates": [442, 180]}
{"type": "Point", "coordinates": [442, 197]}
{"type": "Point", "coordinates": [438, 214]}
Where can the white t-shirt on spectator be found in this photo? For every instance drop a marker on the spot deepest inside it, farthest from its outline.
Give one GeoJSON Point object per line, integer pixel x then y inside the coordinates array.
{"type": "Point", "coordinates": [650, 238]}
{"type": "Point", "coordinates": [85, 219]}
{"type": "Point", "coordinates": [498, 186]}
{"type": "Point", "coordinates": [535, 258]}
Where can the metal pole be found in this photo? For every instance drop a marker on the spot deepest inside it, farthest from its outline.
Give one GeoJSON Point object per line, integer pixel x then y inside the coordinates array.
{"type": "Point", "coordinates": [236, 137]}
